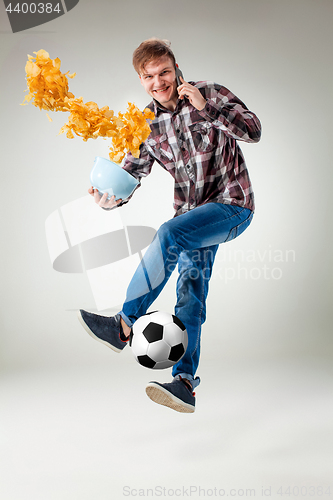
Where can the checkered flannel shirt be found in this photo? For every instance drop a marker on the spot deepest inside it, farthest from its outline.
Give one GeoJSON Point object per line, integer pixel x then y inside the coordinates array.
{"type": "Point", "coordinates": [200, 149]}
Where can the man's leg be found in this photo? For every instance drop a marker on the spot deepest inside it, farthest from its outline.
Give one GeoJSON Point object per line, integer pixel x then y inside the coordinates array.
{"type": "Point", "coordinates": [195, 269]}
{"type": "Point", "coordinates": [207, 225]}
{"type": "Point", "coordinates": [203, 226]}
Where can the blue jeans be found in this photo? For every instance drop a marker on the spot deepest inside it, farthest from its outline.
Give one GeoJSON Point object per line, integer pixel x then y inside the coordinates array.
{"type": "Point", "coordinates": [191, 240]}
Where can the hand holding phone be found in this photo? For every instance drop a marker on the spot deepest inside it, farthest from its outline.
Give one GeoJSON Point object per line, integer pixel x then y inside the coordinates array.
{"type": "Point", "coordinates": [189, 91]}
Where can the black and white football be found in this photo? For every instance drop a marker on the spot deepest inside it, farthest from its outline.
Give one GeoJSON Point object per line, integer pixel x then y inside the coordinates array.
{"type": "Point", "coordinates": [158, 340]}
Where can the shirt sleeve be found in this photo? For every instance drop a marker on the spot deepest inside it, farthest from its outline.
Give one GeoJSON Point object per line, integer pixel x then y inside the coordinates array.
{"type": "Point", "coordinates": [138, 168]}
{"type": "Point", "coordinates": [228, 113]}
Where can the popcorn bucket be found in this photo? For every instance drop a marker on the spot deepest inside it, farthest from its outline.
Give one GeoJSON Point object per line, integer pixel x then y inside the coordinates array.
{"type": "Point", "coordinates": [108, 177]}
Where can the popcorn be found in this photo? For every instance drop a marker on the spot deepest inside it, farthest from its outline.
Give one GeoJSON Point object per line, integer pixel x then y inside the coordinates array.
{"type": "Point", "coordinates": [48, 89]}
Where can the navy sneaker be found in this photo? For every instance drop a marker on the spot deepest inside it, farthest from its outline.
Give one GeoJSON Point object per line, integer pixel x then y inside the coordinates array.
{"type": "Point", "coordinates": [176, 395]}
{"type": "Point", "coordinates": [107, 330]}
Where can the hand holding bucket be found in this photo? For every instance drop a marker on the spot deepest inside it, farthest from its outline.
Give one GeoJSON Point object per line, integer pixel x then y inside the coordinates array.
{"type": "Point", "coordinates": [108, 177]}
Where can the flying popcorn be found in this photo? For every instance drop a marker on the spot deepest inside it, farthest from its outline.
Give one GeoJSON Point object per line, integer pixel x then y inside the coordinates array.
{"type": "Point", "coordinates": [47, 85]}
{"type": "Point", "coordinates": [48, 89]}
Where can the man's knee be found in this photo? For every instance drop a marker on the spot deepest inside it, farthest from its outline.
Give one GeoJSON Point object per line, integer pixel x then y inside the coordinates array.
{"type": "Point", "coordinates": [168, 237]}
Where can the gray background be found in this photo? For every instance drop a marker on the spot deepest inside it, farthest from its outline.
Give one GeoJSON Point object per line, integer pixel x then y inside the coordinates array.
{"type": "Point", "coordinates": [75, 420]}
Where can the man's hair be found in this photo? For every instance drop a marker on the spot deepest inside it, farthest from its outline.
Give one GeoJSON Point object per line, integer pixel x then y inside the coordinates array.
{"type": "Point", "coordinates": [150, 50]}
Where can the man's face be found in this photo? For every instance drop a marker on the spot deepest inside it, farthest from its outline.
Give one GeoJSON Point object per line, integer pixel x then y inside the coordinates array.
{"type": "Point", "coordinates": [159, 80]}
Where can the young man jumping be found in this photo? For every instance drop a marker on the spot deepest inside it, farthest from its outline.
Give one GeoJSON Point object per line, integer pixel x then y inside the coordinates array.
{"type": "Point", "coordinates": [194, 137]}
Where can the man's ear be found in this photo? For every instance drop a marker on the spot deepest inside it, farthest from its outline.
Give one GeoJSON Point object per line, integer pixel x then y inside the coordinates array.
{"type": "Point", "coordinates": [140, 77]}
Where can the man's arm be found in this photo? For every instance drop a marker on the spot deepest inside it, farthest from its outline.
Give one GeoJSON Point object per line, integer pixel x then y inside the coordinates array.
{"type": "Point", "coordinates": [225, 111]}
{"type": "Point", "coordinates": [138, 167]}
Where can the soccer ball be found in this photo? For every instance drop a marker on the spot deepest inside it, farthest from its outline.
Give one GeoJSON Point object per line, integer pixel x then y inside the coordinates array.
{"type": "Point", "coordinates": [158, 340]}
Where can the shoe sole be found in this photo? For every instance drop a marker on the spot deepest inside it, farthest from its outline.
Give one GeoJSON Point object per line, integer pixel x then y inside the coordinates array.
{"type": "Point", "coordinates": [91, 333]}
{"type": "Point", "coordinates": [163, 397]}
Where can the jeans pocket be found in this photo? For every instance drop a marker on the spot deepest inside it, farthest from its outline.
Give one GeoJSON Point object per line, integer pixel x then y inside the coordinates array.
{"type": "Point", "coordinates": [240, 228]}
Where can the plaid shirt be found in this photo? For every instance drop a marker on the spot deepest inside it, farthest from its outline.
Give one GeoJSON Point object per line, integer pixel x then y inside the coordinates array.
{"type": "Point", "coordinates": [200, 149]}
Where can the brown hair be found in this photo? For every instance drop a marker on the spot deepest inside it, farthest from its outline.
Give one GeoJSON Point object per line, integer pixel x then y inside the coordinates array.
{"type": "Point", "coordinates": [151, 49]}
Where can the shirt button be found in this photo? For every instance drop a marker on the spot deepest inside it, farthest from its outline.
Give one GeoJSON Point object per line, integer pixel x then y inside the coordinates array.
{"type": "Point", "coordinates": [213, 112]}
{"type": "Point", "coordinates": [183, 149]}
{"type": "Point", "coordinates": [208, 108]}
{"type": "Point", "coordinates": [178, 130]}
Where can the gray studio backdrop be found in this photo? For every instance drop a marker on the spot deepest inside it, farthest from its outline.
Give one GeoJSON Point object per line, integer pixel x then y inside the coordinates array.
{"type": "Point", "coordinates": [270, 294]}
{"type": "Point", "coordinates": [273, 55]}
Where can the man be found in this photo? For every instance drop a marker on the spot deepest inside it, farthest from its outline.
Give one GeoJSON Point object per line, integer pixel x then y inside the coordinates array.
{"type": "Point", "coordinates": [193, 136]}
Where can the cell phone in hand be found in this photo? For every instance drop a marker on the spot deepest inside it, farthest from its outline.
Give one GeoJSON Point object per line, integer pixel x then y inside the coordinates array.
{"type": "Point", "coordinates": [178, 75]}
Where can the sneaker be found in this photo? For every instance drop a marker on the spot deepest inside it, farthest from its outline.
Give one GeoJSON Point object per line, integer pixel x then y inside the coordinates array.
{"type": "Point", "coordinates": [176, 395]}
{"type": "Point", "coordinates": [106, 330]}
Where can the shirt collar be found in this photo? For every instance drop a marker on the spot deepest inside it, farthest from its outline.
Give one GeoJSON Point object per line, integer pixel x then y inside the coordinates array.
{"type": "Point", "coordinates": [158, 108]}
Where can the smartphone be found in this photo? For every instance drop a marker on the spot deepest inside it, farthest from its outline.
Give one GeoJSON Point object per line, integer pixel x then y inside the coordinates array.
{"type": "Point", "coordinates": [178, 74]}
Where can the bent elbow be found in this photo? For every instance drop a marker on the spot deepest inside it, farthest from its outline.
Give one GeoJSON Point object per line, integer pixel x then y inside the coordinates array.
{"type": "Point", "coordinates": [255, 131]}
{"type": "Point", "coordinates": [256, 136]}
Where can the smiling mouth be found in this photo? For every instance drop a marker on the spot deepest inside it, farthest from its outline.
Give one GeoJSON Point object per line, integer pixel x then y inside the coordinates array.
{"type": "Point", "coordinates": [159, 91]}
